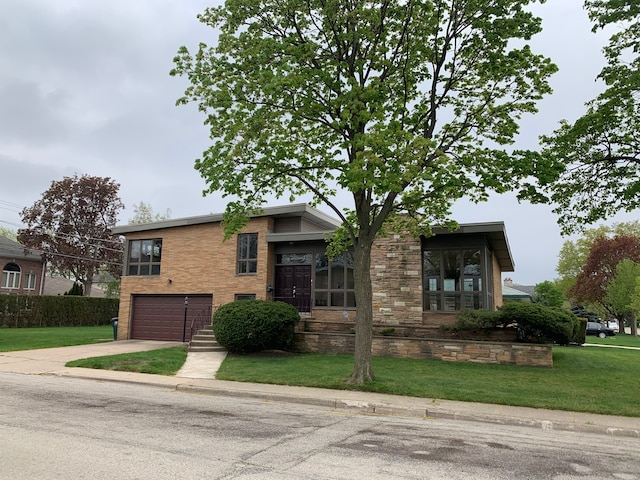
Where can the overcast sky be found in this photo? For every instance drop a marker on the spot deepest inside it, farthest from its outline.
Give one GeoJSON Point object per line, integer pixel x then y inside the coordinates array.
{"type": "Point", "coordinates": [85, 88]}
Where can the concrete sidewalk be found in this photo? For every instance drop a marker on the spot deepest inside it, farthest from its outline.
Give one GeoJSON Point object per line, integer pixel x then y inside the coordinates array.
{"type": "Point", "coordinates": [196, 377]}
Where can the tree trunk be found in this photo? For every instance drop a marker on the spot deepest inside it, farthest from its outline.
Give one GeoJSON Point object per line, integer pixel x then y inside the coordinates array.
{"type": "Point", "coordinates": [362, 370]}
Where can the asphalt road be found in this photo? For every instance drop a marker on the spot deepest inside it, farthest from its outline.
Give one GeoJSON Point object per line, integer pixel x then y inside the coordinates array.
{"type": "Point", "coordinates": [61, 428]}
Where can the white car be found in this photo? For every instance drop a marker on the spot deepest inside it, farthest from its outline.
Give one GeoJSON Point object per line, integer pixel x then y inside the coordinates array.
{"type": "Point", "coordinates": [613, 324]}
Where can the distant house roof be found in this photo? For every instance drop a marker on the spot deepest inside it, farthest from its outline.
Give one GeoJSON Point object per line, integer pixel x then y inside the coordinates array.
{"type": "Point", "coordinates": [512, 293]}
{"type": "Point", "coordinates": [11, 249]}
{"type": "Point", "coordinates": [294, 210]}
{"type": "Point", "coordinates": [528, 289]}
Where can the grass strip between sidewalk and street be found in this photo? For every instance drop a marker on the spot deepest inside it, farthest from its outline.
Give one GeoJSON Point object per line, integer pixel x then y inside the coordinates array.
{"type": "Point", "coordinates": [14, 339]}
{"type": "Point", "coordinates": [164, 361]}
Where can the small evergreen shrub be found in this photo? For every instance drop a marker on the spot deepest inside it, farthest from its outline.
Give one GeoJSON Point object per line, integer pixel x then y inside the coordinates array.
{"type": "Point", "coordinates": [474, 320]}
{"type": "Point", "coordinates": [540, 324]}
{"type": "Point", "coordinates": [248, 326]}
{"type": "Point", "coordinates": [76, 289]}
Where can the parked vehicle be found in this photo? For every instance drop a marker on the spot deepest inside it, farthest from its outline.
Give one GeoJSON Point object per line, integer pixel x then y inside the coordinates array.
{"type": "Point", "coordinates": [613, 324]}
{"type": "Point", "coordinates": [595, 328]}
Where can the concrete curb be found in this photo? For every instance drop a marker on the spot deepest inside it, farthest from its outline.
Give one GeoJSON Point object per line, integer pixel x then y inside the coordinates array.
{"type": "Point", "coordinates": [350, 401]}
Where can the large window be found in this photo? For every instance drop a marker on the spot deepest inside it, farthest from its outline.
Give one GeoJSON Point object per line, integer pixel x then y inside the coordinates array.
{"type": "Point", "coordinates": [144, 257]}
{"type": "Point", "coordinates": [247, 253]}
{"type": "Point", "coordinates": [11, 276]}
{"type": "Point", "coordinates": [453, 279]}
{"type": "Point", "coordinates": [334, 281]}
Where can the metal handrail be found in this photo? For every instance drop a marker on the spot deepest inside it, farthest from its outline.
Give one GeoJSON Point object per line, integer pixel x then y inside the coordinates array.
{"type": "Point", "coordinates": [199, 320]}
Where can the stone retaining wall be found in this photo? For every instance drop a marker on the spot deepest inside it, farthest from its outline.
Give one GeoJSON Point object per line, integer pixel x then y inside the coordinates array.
{"type": "Point", "coordinates": [523, 354]}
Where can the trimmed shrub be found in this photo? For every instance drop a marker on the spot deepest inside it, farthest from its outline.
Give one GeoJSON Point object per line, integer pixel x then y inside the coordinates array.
{"type": "Point", "coordinates": [20, 311]}
{"type": "Point", "coordinates": [470, 320]}
{"type": "Point", "coordinates": [248, 326]}
{"type": "Point", "coordinates": [540, 324]}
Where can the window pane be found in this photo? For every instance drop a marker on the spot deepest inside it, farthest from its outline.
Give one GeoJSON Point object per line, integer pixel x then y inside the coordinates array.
{"type": "Point", "coordinates": [351, 299]}
{"type": "Point", "coordinates": [471, 262]}
{"type": "Point", "coordinates": [253, 245]}
{"type": "Point", "coordinates": [433, 302]}
{"type": "Point", "coordinates": [451, 270]}
{"type": "Point", "coordinates": [321, 299]}
{"type": "Point", "coordinates": [337, 299]}
{"type": "Point", "coordinates": [451, 302]}
{"type": "Point", "coordinates": [134, 251]}
{"type": "Point", "coordinates": [253, 266]}
{"type": "Point", "coordinates": [322, 273]}
{"type": "Point", "coordinates": [294, 258]}
{"type": "Point", "coordinates": [337, 272]}
{"type": "Point", "coordinates": [157, 249]}
{"type": "Point", "coordinates": [242, 267]}
{"type": "Point", "coordinates": [144, 269]}
{"type": "Point", "coordinates": [242, 247]}
{"type": "Point", "coordinates": [147, 248]}
{"type": "Point", "coordinates": [431, 263]}
{"type": "Point", "coordinates": [133, 269]}
{"type": "Point", "coordinates": [155, 269]}
{"type": "Point", "coordinates": [351, 283]}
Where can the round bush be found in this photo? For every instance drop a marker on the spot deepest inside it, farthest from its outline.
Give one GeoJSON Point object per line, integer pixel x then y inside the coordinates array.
{"type": "Point", "coordinates": [248, 326]}
{"type": "Point", "coordinates": [540, 324]}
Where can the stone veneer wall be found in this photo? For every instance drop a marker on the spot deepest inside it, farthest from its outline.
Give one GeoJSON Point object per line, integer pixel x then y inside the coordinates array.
{"type": "Point", "coordinates": [434, 349]}
{"type": "Point", "coordinates": [396, 280]}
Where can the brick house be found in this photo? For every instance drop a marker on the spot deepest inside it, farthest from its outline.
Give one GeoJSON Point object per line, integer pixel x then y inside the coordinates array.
{"type": "Point", "coordinates": [23, 270]}
{"type": "Point", "coordinates": [177, 271]}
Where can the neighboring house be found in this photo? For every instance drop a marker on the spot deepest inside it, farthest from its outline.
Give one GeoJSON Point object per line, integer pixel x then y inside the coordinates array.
{"type": "Point", "coordinates": [511, 294]}
{"type": "Point", "coordinates": [61, 285]}
{"type": "Point", "coordinates": [23, 270]}
{"type": "Point", "coordinates": [521, 293]}
{"type": "Point", "coordinates": [179, 269]}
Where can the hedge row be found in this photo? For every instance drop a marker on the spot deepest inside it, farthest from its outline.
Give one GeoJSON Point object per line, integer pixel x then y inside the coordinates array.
{"type": "Point", "coordinates": [20, 311]}
{"type": "Point", "coordinates": [535, 323]}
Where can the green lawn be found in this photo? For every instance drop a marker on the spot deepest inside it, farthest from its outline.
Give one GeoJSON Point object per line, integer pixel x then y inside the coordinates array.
{"type": "Point", "coordinates": [623, 340]}
{"type": "Point", "coordinates": [12, 339]}
{"type": "Point", "coordinates": [597, 380]}
{"type": "Point", "coordinates": [165, 361]}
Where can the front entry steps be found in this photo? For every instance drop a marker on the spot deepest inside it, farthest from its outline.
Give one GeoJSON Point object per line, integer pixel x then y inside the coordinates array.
{"type": "Point", "coordinates": [205, 341]}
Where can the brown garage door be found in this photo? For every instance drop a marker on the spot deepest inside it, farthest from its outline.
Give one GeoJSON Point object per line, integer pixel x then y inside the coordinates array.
{"type": "Point", "coordinates": [162, 317]}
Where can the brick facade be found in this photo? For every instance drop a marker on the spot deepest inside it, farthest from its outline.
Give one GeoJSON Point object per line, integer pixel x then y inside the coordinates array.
{"type": "Point", "coordinates": [197, 260]}
{"type": "Point", "coordinates": [34, 267]}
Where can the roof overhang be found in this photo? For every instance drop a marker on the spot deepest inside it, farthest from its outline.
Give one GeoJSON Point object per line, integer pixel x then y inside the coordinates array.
{"type": "Point", "coordinates": [285, 211]}
{"type": "Point", "coordinates": [298, 237]}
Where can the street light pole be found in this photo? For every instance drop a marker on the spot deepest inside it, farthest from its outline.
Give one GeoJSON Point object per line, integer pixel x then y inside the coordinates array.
{"type": "Point", "coordinates": [184, 327]}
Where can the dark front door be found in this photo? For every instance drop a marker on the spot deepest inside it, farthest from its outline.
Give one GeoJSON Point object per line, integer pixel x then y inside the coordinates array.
{"type": "Point", "coordinates": [293, 285]}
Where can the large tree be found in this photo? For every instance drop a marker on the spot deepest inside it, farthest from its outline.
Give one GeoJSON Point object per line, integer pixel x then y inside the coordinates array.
{"type": "Point", "coordinates": [574, 253]}
{"type": "Point", "coordinates": [143, 213]}
{"type": "Point", "coordinates": [407, 106]}
{"type": "Point", "coordinates": [621, 293]}
{"type": "Point", "coordinates": [597, 157]}
{"type": "Point", "coordinates": [71, 224]}
{"type": "Point", "coordinates": [600, 269]}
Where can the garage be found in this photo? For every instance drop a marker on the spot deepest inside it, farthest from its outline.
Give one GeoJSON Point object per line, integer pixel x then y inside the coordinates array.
{"type": "Point", "coordinates": [162, 317]}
